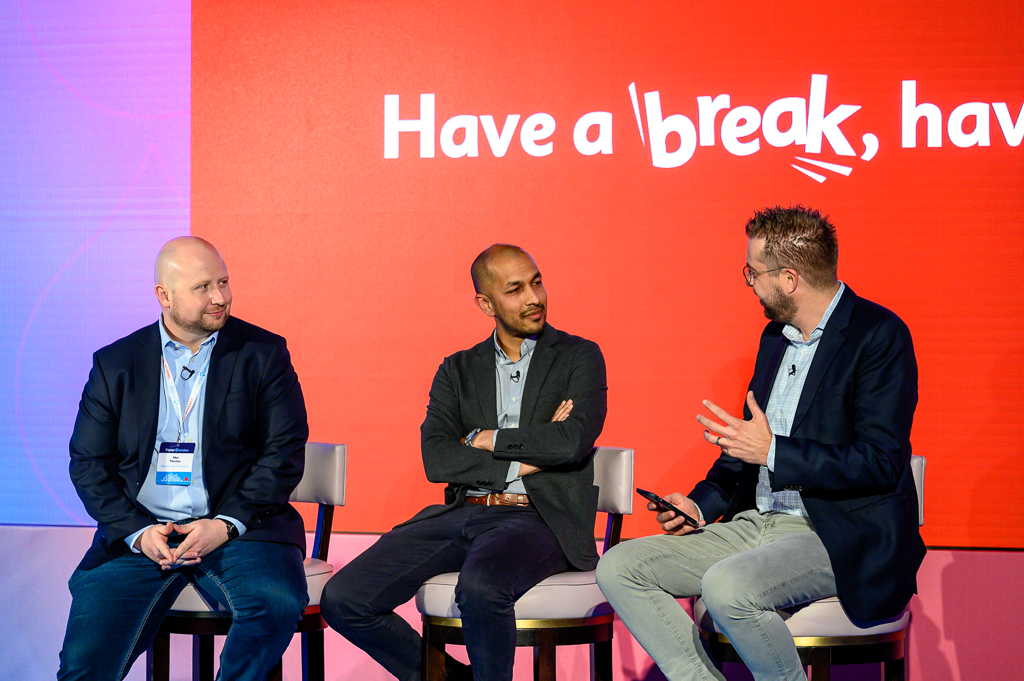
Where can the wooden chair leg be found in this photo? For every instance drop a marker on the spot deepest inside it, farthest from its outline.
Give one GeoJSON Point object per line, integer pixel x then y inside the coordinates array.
{"type": "Point", "coordinates": [275, 672]}
{"type": "Point", "coordinates": [894, 670]}
{"type": "Point", "coordinates": [821, 664]}
{"type": "Point", "coordinates": [433, 657]}
{"type": "Point", "coordinates": [602, 661]}
{"type": "Point", "coordinates": [544, 657]}
{"type": "Point", "coordinates": [313, 656]}
{"type": "Point", "coordinates": [158, 658]}
{"type": "Point", "coordinates": [202, 658]}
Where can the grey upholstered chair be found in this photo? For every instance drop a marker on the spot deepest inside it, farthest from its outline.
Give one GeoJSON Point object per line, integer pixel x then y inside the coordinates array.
{"type": "Point", "coordinates": [824, 635]}
{"type": "Point", "coordinates": [323, 483]}
{"type": "Point", "coordinates": [564, 609]}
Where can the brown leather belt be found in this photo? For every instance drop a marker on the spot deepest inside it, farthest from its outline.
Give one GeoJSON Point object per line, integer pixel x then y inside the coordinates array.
{"type": "Point", "coordinates": [505, 499]}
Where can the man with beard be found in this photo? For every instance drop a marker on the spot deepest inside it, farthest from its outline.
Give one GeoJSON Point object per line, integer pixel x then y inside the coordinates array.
{"type": "Point", "coordinates": [510, 428]}
{"type": "Point", "coordinates": [189, 440]}
{"type": "Point", "coordinates": [814, 495]}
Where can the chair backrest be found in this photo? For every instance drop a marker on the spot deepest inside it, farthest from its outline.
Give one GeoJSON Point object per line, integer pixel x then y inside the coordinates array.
{"type": "Point", "coordinates": [323, 481]}
{"type": "Point", "coordinates": [917, 465]}
{"type": "Point", "coordinates": [613, 475]}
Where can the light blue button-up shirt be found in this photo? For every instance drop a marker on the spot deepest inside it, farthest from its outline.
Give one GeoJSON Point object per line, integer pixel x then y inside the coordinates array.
{"type": "Point", "coordinates": [782, 404]}
{"type": "Point", "coordinates": [178, 502]}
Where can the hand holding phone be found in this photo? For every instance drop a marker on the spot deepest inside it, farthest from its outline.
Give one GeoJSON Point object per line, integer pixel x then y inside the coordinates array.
{"type": "Point", "coordinates": [665, 506]}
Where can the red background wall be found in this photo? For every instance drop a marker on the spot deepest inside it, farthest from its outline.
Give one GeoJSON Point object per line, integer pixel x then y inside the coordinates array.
{"type": "Point", "coordinates": [363, 262]}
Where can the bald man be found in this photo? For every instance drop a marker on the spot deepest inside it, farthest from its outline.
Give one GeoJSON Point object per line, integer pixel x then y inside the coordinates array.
{"type": "Point", "coordinates": [510, 427]}
{"type": "Point", "coordinates": [189, 440]}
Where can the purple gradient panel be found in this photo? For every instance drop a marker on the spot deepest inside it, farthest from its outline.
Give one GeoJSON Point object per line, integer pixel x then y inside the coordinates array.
{"type": "Point", "coordinates": [95, 136]}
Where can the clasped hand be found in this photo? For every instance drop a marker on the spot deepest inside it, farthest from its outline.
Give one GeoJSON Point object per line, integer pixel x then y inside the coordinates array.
{"type": "Point", "coordinates": [202, 537]}
{"type": "Point", "coordinates": [748, 441]}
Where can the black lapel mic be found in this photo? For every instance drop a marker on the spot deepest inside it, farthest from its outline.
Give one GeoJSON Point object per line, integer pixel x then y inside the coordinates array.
{"type": "Point", "coordinates": [515, 376]}
{"type": "Point", "coordinates": [191, 372]}
{"type": "Point", "coordinates": [792, 370]}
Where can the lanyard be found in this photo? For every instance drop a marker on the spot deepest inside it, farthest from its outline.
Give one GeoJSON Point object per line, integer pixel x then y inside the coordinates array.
{"type": "Point", "coordinates": [172, 391]}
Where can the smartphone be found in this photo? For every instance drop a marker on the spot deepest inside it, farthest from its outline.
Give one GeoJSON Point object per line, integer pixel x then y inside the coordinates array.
{"type": "Point", "coordinates": [665, 506]}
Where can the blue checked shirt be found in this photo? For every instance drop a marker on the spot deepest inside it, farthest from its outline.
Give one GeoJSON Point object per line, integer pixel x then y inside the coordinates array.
{"type": "Point", "coordinates": [789, 383]}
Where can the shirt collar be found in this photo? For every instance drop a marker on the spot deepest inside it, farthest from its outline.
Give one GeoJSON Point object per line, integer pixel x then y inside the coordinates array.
{"type": "Point", "coordinates": [166, 340]}
{"type": "Point", "coordinates": [793, 334]}
{"type": "Point", "coordinates": [525, 349]}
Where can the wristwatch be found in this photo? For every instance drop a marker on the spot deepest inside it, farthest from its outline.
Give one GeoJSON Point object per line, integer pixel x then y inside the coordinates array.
{"type": "Point", "coordinates": [472, 434]}
{"type": "Point", "coordinates": [232, 530]}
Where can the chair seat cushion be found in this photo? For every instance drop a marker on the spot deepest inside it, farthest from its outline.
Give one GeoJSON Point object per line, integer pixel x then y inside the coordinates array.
{"type": "Point", "coordinates": [818, 618]}
{"type": "Point", "coordinates": [195, 600]}
{"type": "Point", "coordinates": [569, 595]}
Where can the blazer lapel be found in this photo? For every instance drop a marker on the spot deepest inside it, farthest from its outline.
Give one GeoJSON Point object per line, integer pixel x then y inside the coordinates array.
{"type": "Point", "coordinates": [543, 357]}
{"type": "Point", "coordinates": [484, 380]}
{"type": "Point", "coordinates": [831, 340]}
{"type": "Point", "coordinates": [147, 368]}
{"type": "Point", "coordinates": [763, 390]}
{"type": "Point", "coordinates": [218, 380]}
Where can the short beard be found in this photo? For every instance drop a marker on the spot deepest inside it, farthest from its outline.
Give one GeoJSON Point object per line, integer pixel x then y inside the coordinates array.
{"type": "Point", "coordinates": [516, 326]}
{"type": "Point", "coordinates": [199, 327]}
{"type": "Point", "coordinates": [779, 307]}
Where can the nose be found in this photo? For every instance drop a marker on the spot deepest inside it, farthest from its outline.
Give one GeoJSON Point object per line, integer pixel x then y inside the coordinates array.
{"type": "Point", "coordinates": [531, 296]}
{"type": "Point", "coordinates": [217, 296]}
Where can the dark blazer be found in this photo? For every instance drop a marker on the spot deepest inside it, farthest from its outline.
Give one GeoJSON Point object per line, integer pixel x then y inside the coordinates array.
{"type": "Point", "coordinates": [254, 433]}
{"type": "Point", "coordinates": [463, 396]}
{"type": "Point", "coordinates": [848, 454]}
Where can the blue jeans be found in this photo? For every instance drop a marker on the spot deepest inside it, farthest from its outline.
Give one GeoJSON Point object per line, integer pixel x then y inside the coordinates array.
{"type": "Point", "coordinates": [744, 569]}
{"type": "Point", "coordinates": [500, 552]}
{"type": "Point", "coordinates": [117, 607]}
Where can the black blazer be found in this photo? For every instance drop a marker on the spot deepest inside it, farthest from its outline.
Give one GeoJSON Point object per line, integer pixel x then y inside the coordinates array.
{"type": "Point", "coordinates": [848, 454]}
{"type": "Point", "coordinates": [463, 396]}
{"type": "Point", "coordinates": [254, 432]}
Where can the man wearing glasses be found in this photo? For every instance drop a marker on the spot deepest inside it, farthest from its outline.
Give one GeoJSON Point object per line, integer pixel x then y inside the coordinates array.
{"type": "Point", "coordinates": [813, 491]}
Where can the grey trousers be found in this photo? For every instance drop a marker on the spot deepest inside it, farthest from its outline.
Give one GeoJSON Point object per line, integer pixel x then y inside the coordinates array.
{"type": "Point", "coordinates": [744, 569]}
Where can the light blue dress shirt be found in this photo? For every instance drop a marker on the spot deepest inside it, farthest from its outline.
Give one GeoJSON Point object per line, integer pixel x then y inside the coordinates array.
{"type": "Point", "coordinates": [781, 409]}
{"type": "Point", "coordinates": [178, 502]}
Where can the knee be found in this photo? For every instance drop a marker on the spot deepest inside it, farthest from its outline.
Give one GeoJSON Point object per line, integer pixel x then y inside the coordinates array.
{"type": "Point", "coordinates": [476, 593]}
{"type": "Point", "coordinates": [723, 592]}
{"type": "Point", "coordinates": [623, 566]}
{"type": "Point", "coordinates": [339, 604]}
{"type": "Point", "coordinates": [279, 606]}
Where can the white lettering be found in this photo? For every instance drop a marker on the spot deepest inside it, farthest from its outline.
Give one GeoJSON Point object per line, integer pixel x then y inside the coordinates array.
{"type": "Point", "coordinates": [1012, 132]}
{"type": "Point", "coordinates": [732, 130]}
{"type": "Point", "coordinates": [537, 127]}
{"type": "Point", "coordinates": [912, 113]}
{"type": "Point", "coordinates": [707, 109]}
{"type": "Point", "coordinates": [424, 125]}
{"type": "Point", "coordinates": [818, 123]}
{"type": "Point", "coordinates": [602, 120]}
{"type": "Point", "coordinates": [955, 125]}
{"type": "Point", "coordinates": [499, 143]}
{"type": "Point", "coordinates": [796, 107]}
{"type": "Point", "coordinates": [468, 146]}
{"type": "Point", "coordinates": [658, 130]}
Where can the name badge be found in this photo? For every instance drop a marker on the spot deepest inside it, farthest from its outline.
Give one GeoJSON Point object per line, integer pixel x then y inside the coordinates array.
{"type": "Point", "coordinates": [174, 467]}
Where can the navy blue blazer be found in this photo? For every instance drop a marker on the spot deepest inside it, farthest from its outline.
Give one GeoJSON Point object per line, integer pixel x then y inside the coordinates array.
{"type": "Point", "coordinates": [254, 431]}
{"type": "Point", "coordinates": [848, 454]}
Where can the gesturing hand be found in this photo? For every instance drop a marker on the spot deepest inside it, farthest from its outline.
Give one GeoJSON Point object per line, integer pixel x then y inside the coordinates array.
{"type": "Point", "coordinates": [747, 441]}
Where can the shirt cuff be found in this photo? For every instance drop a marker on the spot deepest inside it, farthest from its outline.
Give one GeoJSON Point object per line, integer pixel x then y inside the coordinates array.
{"type": "Point", "coordinates": [234, 521]}
{"type": "Point", "coordinates": [130, 539]}
{"type": "Point", "coordinates": [771, 455]}
{"type": "Point", "coordinates": [700, 513]}
{"type": "Point", "coordinates": [513, 472]}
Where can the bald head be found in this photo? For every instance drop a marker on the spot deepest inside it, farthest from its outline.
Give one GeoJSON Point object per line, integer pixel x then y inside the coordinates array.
{"type": "Point", "coordinates": [482, 270]}
{"type": "Point", "coordinates": [182, 255]}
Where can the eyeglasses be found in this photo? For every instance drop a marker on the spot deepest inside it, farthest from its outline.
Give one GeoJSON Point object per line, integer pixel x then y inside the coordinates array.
{"type": "Point", "coordinates": [749, 274]}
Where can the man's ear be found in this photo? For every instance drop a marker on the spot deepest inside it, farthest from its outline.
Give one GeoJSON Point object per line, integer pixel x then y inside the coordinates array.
{"type": "Point", "coordinates": [484, 303]}
{"type": "Point", "coordinates": [788, 280]}
{"type": "Point", "coordinates": [163, 295]}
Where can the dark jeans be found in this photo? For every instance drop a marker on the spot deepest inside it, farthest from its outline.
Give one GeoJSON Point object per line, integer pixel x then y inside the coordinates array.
{"type": "Point", "coordinates": [500, 553]}
{"type": "Point", "coordinates": [117, 607]}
